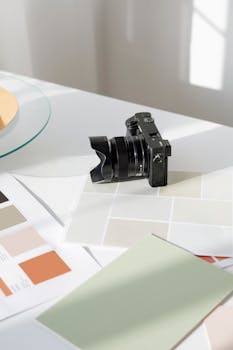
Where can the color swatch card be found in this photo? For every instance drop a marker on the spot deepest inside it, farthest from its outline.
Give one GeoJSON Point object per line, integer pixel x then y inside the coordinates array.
{"type": "Point", "coordinates": [33, 269]}
{"type": "Point", "coordinates": [150, 298]}
{"type": "Point", "coordinates": [194, 211]}
{"type": "Point", "coordinates": [219, 327]}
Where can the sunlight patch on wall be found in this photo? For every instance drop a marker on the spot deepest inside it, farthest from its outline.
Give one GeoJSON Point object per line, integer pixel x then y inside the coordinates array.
{"type": "Point", "coordinates": [207, 46]}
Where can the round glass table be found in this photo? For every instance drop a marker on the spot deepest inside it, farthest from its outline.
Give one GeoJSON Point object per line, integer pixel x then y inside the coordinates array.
{"type": "Point", "coordinates": [31, 119]}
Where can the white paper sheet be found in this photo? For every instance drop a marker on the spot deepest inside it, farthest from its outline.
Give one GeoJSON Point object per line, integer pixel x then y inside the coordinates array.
{"type": "Point", "coordinates": [29, 284]}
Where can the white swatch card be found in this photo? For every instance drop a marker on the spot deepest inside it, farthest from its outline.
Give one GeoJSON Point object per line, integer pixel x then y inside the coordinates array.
{"type": "Point", "coordinates": [194, 211]}
{"type": "Point", "coordinates": [34, 267]}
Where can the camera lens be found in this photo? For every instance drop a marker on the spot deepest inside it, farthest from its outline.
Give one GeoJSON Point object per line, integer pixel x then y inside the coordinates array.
{"type": "Point", "coordinates": [141, 153]}
{"type": "Point", "coordinates": [120, 158]}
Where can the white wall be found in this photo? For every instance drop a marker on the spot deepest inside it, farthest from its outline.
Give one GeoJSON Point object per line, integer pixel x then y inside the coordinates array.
{"type": "Point", "coordinates": [53, 40]}
{"type": "Point", "coordinates": [171, 54]}
{"type": "Point", "coordinates": [15, 52]}
{"type": "Point", "coordinates": [149, 55]}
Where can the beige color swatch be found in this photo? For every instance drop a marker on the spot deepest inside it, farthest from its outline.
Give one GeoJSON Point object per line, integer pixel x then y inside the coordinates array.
{"type": "Point", "coordinates": [142, 207]}
{"type": "Point", "coordinates": [137, 187]}
{"type": "Point", "coordinates": [220, 329]}
{"type": "Point", "coordinates": [10, 216]}
{"type": "Point", "coordinates": [124, 233]}
{"type": "Point", "coordinates": [8, 107]}
{"type": "Point", "coordinates": [218, 185]}
{"type": "Point", "coordinates": [21, 241]}
{"type": "Point", "coordinates": [202, 211]}
{"type": "Point", "coordinates": [182, 184]}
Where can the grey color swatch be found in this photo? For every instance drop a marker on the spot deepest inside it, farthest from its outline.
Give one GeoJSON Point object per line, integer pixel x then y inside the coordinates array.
{"type": "Point", "coordinates": [203, 211]}
{"type": "Point", "coordinates": [10, 216]}
{"type": "Point", "coordinates": [86, 227]}
{"type": "Point", "coordinates": [125, 233]}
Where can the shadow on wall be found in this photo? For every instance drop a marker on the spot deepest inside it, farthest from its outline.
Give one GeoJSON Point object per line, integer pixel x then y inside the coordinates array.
{"type": "Point", "coordinates": [62, 41]}
{"type": "Point", "coordinates": [173, 55]}
{"type": "Point", "coordinates": [50, 40]}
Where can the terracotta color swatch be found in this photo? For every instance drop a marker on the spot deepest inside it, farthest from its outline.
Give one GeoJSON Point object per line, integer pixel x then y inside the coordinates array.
{"type": "Point", "coordinates": [3, 198]}
{"type": "Point", "coordinates": [8, 107]}
{"type": "Point", "coordinates": [219, 328]}
{"type": "Point", "coordinates": [21, 241]}
{"type": "Point", "coordinates": [44, 267]}
{"type": "Point", "coordinates": [206, 258]}
{"type": "Point", "coordinates": [220, 258]}
{"type": "Point", "coordinates": [10, 216]}
{"type": "Point", "coordinates": [4, 288]}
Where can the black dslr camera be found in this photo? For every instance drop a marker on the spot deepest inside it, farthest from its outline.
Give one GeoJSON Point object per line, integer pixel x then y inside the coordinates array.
{"type": "Point", "coordinates": [141, 153]}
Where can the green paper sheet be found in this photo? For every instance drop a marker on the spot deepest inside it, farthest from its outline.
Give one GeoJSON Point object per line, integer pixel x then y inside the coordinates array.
{"type": "Point", "coordinates": [149, 298]}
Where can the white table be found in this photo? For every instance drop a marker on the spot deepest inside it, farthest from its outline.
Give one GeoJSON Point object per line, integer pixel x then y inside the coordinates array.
{"type": "Point", "coordinates": [55, 157]}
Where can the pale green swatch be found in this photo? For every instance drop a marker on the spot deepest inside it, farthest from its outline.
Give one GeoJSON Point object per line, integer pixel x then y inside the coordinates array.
{"type": "Point", "coordinates": [150, 298]}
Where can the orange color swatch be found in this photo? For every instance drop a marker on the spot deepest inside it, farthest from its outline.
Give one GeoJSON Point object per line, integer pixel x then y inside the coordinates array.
{"type": "Point", "coordinates": [44, 267]}
{"type": "Point", "coordinates": [4, 288]}
{"type": "Point", "coordinates": [220, 258]}
{"type": "Point", "coordinates": [206, 258]}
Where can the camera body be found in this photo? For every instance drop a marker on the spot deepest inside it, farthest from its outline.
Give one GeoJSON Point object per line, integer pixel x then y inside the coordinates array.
{"type": "Point", "coordinates": [158, 149]}
{"type": "Point", "coordinates": [141, 153]}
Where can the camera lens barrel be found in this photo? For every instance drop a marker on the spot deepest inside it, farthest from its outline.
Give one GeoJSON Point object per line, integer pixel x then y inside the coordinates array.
{"type": "Point", "coordinates": [120, 158]}
{"type": "Point", "coordinates": [130, 156]}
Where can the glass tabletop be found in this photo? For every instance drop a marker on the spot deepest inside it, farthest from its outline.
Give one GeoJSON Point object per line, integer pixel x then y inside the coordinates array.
{"type": "Point", "coordinates": [31, 119]}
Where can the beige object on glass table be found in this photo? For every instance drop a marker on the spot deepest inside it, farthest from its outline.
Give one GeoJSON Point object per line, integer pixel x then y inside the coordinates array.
{"type": "Point", "coordinates": [8, 107]}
